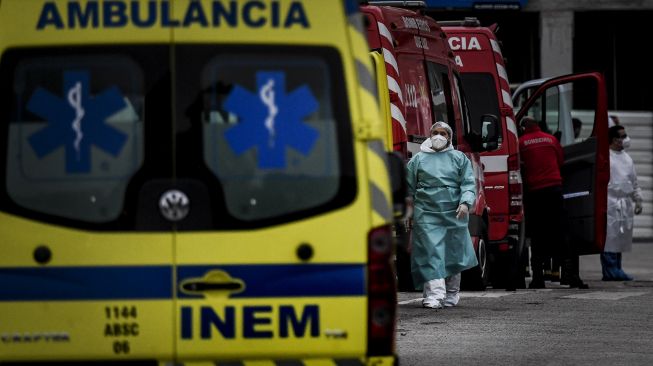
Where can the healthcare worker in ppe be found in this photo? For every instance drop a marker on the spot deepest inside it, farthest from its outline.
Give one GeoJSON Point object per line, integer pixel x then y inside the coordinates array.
{"type": "Point", "coordinates": [623, 191]}
{"type": "Point", "coordinates": [613, 120]}
{"type": "Point", "coordinates": [441, 189]}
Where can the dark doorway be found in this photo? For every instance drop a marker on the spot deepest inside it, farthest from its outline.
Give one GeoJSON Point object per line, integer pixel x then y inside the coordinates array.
{"type": "Point", "coordinates": [615, 43]}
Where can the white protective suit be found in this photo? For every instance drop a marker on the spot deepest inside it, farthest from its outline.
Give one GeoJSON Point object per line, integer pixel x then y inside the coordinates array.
{"type": "Point", "coordinates": [440, 182]}
{"type": "Point", "coordinates": [623, 191]}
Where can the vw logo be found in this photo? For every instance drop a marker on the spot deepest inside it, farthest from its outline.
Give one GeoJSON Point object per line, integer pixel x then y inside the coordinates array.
{"type": "Point", "coordinates": [174, 205]}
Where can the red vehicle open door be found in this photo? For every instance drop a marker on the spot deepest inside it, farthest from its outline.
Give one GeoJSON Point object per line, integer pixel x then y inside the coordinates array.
{"type": "Point", "coordinates": [586, 170]}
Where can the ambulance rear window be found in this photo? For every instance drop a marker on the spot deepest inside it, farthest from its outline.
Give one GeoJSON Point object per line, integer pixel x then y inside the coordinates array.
{"type": "Point", "coordinates": [481, 97]}
{"type": "Point", "coordinates": [440, 90]}
{"type": "Point", "coordinates": [275, 129]}
{"type": "Point", "coordinates": [75, 132]}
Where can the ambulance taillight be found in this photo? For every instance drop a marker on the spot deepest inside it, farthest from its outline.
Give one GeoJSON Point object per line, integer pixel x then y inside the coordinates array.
{"type": "Point", "coordinates": [382, 293]}
{"type": "Point", "coordinates": [514, 185]}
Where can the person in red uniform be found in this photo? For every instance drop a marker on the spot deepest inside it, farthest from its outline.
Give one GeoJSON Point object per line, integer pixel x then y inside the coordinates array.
{"type": "Point", "coordinates": [542, 158]}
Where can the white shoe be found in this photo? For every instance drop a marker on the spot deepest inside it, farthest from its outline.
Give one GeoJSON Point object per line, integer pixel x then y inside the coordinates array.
{"type": "Point", "coordinates": [452, 284]}
{"type": "Point", "coordinates": [434, 293]}
{"type": "Point", "coordinates": [451, 301]}
{"type": "Point", "coordinates": [432, 303]}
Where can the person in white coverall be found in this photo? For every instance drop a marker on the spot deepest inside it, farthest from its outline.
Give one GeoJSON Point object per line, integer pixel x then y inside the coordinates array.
{"type": "Point", "coordinates": [441, 189]}
{"type": "Point", "coordinates": [623, 191]}
{"type": "Point", "coordinates": [613, 120]}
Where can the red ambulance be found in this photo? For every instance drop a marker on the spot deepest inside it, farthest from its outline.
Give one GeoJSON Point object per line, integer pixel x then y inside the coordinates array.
{"type": "Point", "coordinates": [424, 86]}
{"type": "Point", "coordinates": [485, 80]}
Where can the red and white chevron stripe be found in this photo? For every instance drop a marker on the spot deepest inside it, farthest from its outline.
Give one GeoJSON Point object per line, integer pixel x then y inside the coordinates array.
{"type": "Point", "coordinates": [392, 70]}
{"type": "Point", "coordinates": [505, 88]}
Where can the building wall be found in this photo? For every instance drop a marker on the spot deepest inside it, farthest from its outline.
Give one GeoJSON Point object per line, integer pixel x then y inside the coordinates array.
{"type": "Point", "coordinates": [612, 18]}
{"type": "Point", "coordinates": [556, 42]}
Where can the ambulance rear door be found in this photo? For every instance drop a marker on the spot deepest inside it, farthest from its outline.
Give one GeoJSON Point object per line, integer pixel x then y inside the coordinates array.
{"type": "Point", "coordinates": [586, 170]}
{"type": "Point", "coordinates": [85, 254]}
{"type": "Point", "coordinates": [271, 257]}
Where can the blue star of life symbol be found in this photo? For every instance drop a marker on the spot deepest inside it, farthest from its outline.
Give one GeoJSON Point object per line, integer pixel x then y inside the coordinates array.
{"type": "Point", "coordinates": [77, 121]}
{"type": "Point", "coordinates": [271, 120]}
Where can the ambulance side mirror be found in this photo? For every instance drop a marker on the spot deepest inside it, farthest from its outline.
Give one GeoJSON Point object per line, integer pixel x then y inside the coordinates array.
{"type": "Point", "coordinates": [399, 186]}
{"type": "Point", "coordinates": [490, 132]}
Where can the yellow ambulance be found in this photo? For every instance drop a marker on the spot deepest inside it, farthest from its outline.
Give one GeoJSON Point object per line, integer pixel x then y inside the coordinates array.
{"type": "Point", "coordinates": [193, 182]}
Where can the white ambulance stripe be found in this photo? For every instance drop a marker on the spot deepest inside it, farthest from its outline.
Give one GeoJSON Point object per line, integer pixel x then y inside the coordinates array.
{"type": "Point", "coordinates": [478, 172]}
{"type": "Point", "coordinates": [394, 86]}
{"type": "Point", "coordinates": [512, 127]}
{"type": "Point", "coordinates": [502, 72]}
{"type": "Point", "coordinates": [383, 30]}
{"type": "Point", "coordinates": [493, 164]}
{"type": "Point", "coordinates": [396, 114]}
{"type": "Point", "coordinates": [495, 46]}
{"type": "Point", "coordinates": [390, 58]}
{"type": "Point", "coordinates": [604, 295]}
{"type": "Point", "coordinates": [506, 98]}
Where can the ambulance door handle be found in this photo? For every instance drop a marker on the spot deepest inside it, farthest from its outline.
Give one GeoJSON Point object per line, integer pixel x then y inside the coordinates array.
{"type": "Point", "coordinates": [216, 282]}
{"type": "Point", "coordinates": [201, 286]}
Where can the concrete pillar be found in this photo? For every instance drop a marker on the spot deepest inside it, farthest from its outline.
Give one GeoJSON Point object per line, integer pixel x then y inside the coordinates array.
{"type": "Point", "coordinates": [556, 42]}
